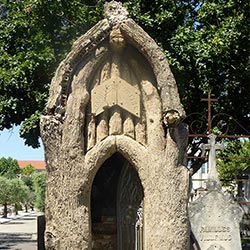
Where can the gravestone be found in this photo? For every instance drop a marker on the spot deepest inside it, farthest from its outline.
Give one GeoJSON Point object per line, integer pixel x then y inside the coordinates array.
{"type": "Point", "coordinates": [214, 218]}
{"type": "Point", "coordinates": [114, 145]}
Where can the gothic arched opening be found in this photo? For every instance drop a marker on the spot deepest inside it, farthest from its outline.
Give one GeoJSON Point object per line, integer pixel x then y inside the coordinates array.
{"type": "Point", "coordinates": [116, 206]}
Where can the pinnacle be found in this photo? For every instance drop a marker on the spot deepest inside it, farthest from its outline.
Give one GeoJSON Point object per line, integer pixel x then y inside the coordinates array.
{"type": "Point", "coordinates": [115, 13]}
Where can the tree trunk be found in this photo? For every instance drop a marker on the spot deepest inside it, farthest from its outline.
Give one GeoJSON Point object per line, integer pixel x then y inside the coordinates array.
{"type": "Point", "coordinates": [16, 209]}
{"type": "Point", "coordinates": [240, 188]}
{"type": "Point", "coordinates": [5, 210]}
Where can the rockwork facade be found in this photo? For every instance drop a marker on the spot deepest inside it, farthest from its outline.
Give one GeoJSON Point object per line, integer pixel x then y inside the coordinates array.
{"type": "Point", "coordinates": [114, 105]}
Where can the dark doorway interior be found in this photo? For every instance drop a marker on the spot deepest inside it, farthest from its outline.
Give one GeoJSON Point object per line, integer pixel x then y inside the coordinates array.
{"type": "Point", "coordinates": [103, 204]}
{"type": "Point", "coordinates": [116, 196]}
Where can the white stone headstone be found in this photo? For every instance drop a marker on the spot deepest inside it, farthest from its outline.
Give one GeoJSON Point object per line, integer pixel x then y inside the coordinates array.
{"type": "Point", "coordinates": [215, 222]}
{"type": "Point", "coordinates": [214, 218]}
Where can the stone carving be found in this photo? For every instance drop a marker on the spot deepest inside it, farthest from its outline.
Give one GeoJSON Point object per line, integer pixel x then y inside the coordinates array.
{"type": "Point", "coordinates": [129, 127]}
{"type": "Point", "coordinates": [115, 91]}
{"type": "Point", "coordinates": [102, 129]}
{"type": "Point", "coordinates": [212, 146]}
{"type": "Point", "coordinates": [115, 13]}
{"type": "Point", "coordinates": [171, 118]}
{"type": "Point", "coordinates": [115, 122]}
{"type": "Point", "coordinates": [215, 222]}
{"type": "Point", "coordinates": [83, 128]}
{"type": "Point", "coordinates": [117, 41]}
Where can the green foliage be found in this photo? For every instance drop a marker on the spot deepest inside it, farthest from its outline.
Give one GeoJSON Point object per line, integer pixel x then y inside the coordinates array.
{"type": "Point", "coordinates": [235, 160]}
{"type": "Point", "coordinates": [34, 38]}
{"type": "Point", "coordinates": [210, 51]}
{"type": "Point", "coordinates": [26, 176]}
{"type": "Point", "coordinates": [6, 190]}
{"type": "Point", "coordinates": [12, 191]}
{"type": "Point", "coordinates": [206, 43]}
{"type": "Point", "coordinates": [35, 181]}
{"type": "Point", "coordinates": [20, 191]}
{"type": "Point", "coordinates": [28, 170]}
{"type": "Point", "coordinates": [9, 167]}
{"type": "Point", "coordinates": [39, 183]}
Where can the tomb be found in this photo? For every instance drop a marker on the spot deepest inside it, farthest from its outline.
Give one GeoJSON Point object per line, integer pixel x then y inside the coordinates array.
{"type": "Point", "coordinates": [114, 144]}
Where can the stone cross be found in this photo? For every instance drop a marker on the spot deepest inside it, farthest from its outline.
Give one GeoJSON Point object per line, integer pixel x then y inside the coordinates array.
{"type": "Point", "coordinates": [212, 146]}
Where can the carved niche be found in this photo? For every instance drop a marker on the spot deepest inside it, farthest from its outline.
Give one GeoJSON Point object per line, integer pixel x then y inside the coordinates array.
{"type": "Point", "coordinates": [116, 93]}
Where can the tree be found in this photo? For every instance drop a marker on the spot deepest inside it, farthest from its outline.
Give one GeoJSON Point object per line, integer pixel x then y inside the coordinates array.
{"type": "Point", "coordinates": [20, 192]}
{"type": "Point", "coordinates": [15, 190]}
{"type": "Point", "coordinates": [9, 167]}
{"type": "Point", "coordinates": [206, 43]}
{"type": "Point", "coordinates": [27, 178]}
{"type": "Point", "coordinates": [12, 192]}
{"type": "Point", "coordinates": [234, 163]}
{"type": "Point", "coordinates": [34, 37]}
{"type": "Point", "coordinates": [39, 182]}
{"type": "Point", "coordinates": [207, 46]}
{"type": "Point", "coordinates": [28, 170]}
{"type": "Point", "coordinates": [5, 194]}
{"type": "Point", "coordinates": [26, 175]}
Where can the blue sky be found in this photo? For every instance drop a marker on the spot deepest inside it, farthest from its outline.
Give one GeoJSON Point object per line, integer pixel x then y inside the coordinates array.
{"type": "Point", "coordinates": [12, 145]}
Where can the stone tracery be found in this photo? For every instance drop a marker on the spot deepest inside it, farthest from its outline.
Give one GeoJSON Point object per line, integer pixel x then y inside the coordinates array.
{"type": "Point", "coordinates": [116, 95]}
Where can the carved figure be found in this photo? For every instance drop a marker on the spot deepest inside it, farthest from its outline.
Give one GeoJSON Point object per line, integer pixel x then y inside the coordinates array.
{"type": "Point", "coordinates": [116, 97]}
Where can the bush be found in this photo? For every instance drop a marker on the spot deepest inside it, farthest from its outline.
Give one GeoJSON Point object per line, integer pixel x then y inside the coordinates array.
{"type": "Point", "coordinates": [39, 184]}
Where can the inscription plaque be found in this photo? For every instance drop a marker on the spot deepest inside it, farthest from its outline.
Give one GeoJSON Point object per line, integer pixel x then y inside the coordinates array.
{"type": "Point", "coordinates": [115, 91]}
{"type": "Point", "coordinates": [215, 233]}
{"type": "Point", "coordinates": [103, 96]}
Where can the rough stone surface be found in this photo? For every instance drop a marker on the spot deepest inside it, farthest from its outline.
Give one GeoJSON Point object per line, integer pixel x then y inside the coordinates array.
{"type": "Point", "coordinates": [78, 141]}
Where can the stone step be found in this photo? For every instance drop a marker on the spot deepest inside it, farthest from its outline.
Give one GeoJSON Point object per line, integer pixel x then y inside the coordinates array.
{"type": "Point", "coordinates": [107, 226]}
{"type": "Point", "coordinates": [104, 246]}
{"type": "Point", "coordinates": [108, 219]}
{"type": "Point", "coordinates": [104, 241]}
{"type": "Point", "coordinates": [105, 234]}
{"type": "Point", "coordinates": [104, 237]}
{"type": "Point", "coordinates": [104, 229]}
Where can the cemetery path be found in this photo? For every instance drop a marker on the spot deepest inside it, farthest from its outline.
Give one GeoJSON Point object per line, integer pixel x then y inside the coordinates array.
{"type": "Point", "coordinates": [19, 233]}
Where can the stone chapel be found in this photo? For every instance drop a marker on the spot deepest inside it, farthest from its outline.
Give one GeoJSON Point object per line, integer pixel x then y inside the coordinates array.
{"type": "Point", "coordinates": [114, 144]}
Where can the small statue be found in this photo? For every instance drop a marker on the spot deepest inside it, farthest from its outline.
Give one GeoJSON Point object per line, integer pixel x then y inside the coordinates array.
{"type": "Point", "coordinates": [116, 40]}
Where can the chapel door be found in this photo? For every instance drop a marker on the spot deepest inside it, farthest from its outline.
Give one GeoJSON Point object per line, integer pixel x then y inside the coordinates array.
{"type": "Point", "coordinates": [129, 209]}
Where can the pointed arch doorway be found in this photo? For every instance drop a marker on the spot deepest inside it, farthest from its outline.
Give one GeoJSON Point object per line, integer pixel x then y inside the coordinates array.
{"type": "Point", "coordinates": [116, 206]}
